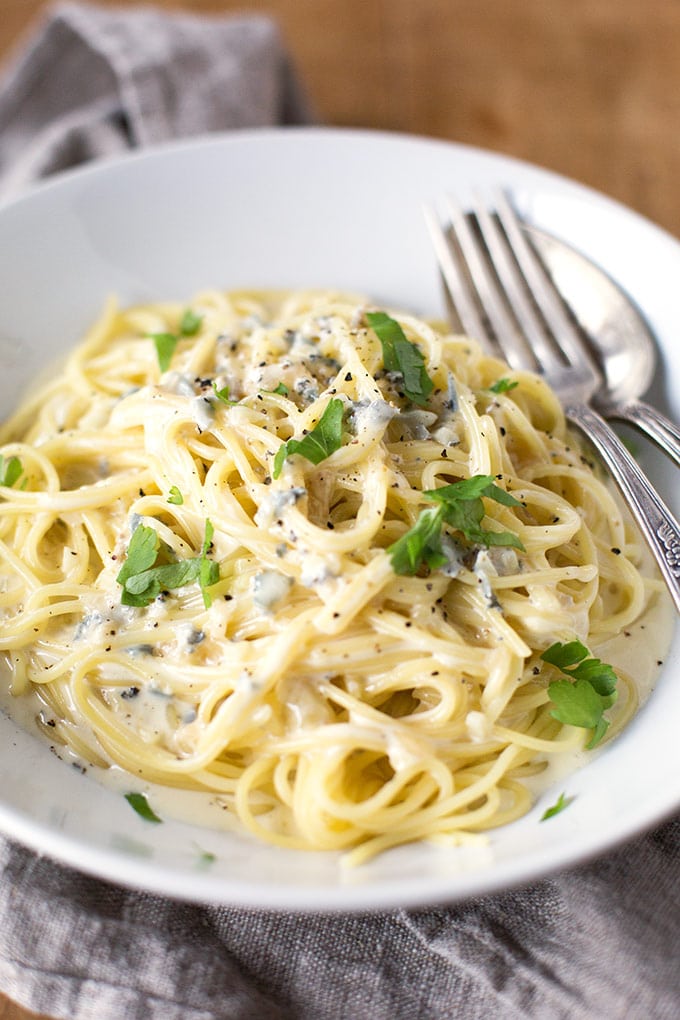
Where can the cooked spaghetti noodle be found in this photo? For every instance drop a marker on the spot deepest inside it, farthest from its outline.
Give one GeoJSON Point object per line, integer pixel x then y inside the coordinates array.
{"type": "Point", "coordinates": [270, 649]}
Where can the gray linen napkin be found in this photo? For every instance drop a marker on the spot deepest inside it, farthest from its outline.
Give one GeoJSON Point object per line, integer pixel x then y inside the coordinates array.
{"type": "Point", "coordinates": [599, 942]}
{"type": "Point", "coordinates": [94, 82]}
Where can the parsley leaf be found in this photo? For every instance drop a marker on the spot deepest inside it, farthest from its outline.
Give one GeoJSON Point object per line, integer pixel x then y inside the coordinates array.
{"type": "Point", "coordinates": [141, 554]}
{"type": "Point", "coordinates": [560, 804]}
{"type": "Point", "coordinates": [472, 488]}
{"type": "Point", "coordinates": [503, 385]}
{"type": "Point", "coordinates": [591, 689]}
{"type": "Point", "coordinates": [140, 804]}
{"type": "Point", "coordinates": [150, 583]}
{"type": "Point", "coordinates": [165, 344]}
{"type": "Point", "coordinates": [324, 439]}
{"type": "Point", "coordinates": [223, 395]}
{"type": "Point", "coordinates": [190, 323]}
{"type": "Point", "coordinates": [280, 388]}
{"type": "Point", "coordinates": [422, 544]}
{"type": "Point", "coordinates": [143, 578]}
{"type": "Point", "coordinates": [402, 356]}
{"type": "Point", "coordinates": [205, 857]}
{"type": "Point", "coordinates": [175, 496]}
{"type": "Point", "coordinates": [10, 471]}
{"type": "Point", "coordinates": [564, 655]}
{"type": "Point", "coordinates": [208, 571]}
{"type": "Point", "coordinates": [576, 703]}
{"type": "Point", "coordinates": [461, 507]}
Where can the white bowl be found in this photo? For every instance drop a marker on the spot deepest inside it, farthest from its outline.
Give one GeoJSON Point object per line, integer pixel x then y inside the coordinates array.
{"type": "Point", "coordinates": [289, 208]}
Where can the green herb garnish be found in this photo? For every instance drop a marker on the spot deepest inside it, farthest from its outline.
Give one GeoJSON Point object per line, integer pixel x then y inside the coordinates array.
{"type": "Point", "coordinates": [421, 545]}
{"type": "Point", "coordinates": [165, 344]}
{"type": "Point", "coordinates": [324, 439]}
{"type": "Point", "coordinates": [402, 356]}
{"type": "Point", "coordinates": [461, 507]}
{"type": "Point", "coordinates": [175, 496]}
{"type": "Point", "coordinates": [503, 385]}
{"type": "Point", "coordinates": [141, 554]}
{"type": "Point", "coordinates": [143, 578]}
{"type": "Point", "coordinates": [281, 389]}
{"type": "Point", "coordinates": [208, 570]}
{"type": "Point", "coordinates": [205, 858]}
{"type": "Point", "coordinates": [10, 471]}
{"type": "Point", "coordinates": [140, 804]}
{"type": "Point", "coordinates": [590, 691]}
{"type": "Point", "coordinates": [190, 323]}
{"type": "Point", "coordinates": [560, 804]}
{"type": "Point", "coordinates": [223, 395]}
{"type": "Point", "coordinates": [464, 510]}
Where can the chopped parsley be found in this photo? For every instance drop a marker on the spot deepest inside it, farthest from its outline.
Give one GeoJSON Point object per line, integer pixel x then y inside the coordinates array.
{"type": "Point", "coordinates": [591, 688]}
{"type": "Point", "coordinates": [175, 496]}
{"type": "Point", "coordinates": [190, 323]}
{"type": "Point", "coordinates": [560, 804]}
{"type": "Point", "coordinates": [324, 439]}
{"type": "Point", "coordinates": [421, 545]}
{"type": "Point", "coordinates": [460, 506]}
{"type": "Point", "coordinates": [165, 344]}
{"type": "Point", "coordinates": [11, 471]}
{"type": "Point", "coordinates": [280, 388]}
{"type": "Point", "coordinates": [140, 804]}
{"type": "Point", "coordinates": [208, 570]}
{"type": "Point", "coordinates": [223, 395]}
{"type": "Point", "coordinates": [205, 857]}
{"type": "Point", "coordinates": [402, 356]}
{"type": "Point", "coordinates": [503, 385]}
{"type": "Point", "coordinates": [143, 577]}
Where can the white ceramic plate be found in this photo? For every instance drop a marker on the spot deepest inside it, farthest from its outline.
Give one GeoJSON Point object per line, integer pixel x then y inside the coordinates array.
{"type": "Point", "coordinates": [306, 208]}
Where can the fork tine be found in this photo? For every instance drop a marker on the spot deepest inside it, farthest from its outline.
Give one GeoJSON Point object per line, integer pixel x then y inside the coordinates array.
{"type": "Point", "coordinates": [456, 285]}
{"type": "Point", "coordinates": [484, 270]}
{"type": "Point", "coordinates": [504, 332]}
{"type": "Point", "coordinates": [514, 287]}
{"type": "Point", "coordinates": [542, 288]}
{"type": "Point", "coordinates": [470, 284]}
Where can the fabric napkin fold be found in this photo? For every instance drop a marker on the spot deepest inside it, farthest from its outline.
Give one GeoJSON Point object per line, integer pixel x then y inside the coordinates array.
{"type": "Point", "coordinates": [599, 942]}
{"type": "Point", "coordinates": [94, 82]}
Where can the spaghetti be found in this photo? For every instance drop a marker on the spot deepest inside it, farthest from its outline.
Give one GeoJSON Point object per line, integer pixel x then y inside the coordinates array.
{"type": "Point", "coordinates": [210, 584]}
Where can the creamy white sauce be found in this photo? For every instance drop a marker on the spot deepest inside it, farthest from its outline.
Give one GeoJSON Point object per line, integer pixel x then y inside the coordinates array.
{"type": "Point", "coordinates": [203, 412]}
{"type": "Point", "coordinates": [637, 654]}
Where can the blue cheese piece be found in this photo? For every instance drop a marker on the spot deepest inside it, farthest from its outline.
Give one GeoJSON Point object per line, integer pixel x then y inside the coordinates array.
{"type": "Point", "coordinates": [203, 412]}
{"type": "Point", "coordinates": [455, 556]}
{"type": "Point", "coordinates": [276, 502]}
{"type": "Point", "coordinates": [418, 422]}
{"type": "Point", "coordinates": [371, 416]}
{"type": "Point", "coordinates": [269, 587]}
{"type": "Point", "coordinates": [484, 570]}
{"type": "Point", "coordinates": [318, 569]}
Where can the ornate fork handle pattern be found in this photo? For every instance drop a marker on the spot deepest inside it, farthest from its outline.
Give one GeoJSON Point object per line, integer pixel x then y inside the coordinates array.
{"type": "Point", "coordinates": [650, 421]}
{"type": "Point", "coordinates": [656, 522]}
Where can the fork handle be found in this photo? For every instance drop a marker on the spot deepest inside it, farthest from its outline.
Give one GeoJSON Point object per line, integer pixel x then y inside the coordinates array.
{"type": "Point", "coordinates": [660, 429]}
{"type": "Point", "coordinates": [656, 522]}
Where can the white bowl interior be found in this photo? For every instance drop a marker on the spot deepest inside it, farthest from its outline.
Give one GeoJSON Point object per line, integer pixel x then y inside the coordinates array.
{"type": "Point", "coordinates": [287, 209]}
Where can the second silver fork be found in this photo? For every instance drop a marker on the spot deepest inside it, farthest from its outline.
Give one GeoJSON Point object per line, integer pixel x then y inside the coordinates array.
{"type": "Point", "coordinates": [495, 288]}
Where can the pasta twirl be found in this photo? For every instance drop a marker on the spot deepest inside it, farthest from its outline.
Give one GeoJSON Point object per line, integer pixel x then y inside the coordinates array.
{"type": "Point", "coordinates": [200, 581]}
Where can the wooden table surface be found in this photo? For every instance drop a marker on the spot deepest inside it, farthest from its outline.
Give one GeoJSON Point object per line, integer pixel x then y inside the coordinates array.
{"type": "Point", "coordinates": [590, 89]}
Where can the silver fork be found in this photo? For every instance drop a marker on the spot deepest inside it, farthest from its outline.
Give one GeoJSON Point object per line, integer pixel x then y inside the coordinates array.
{"type": "Point", "coordinates": [499, 293]}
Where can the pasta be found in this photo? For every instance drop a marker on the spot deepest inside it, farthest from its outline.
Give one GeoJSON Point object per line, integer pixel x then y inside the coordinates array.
{"type": "Point", "coordinates": [237, 559]}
